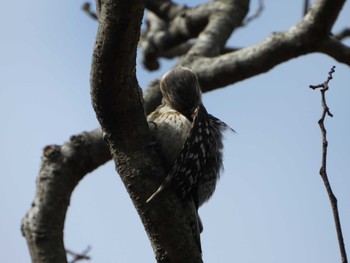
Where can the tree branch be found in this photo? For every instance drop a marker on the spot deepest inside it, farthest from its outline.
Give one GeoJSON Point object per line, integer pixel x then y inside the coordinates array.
{"type": "Point", "coordinates": [256, 15]}
{"type": "Point", "coordinates": [165, 9]}
{"type": "Point", "coordinates": [86, 7]}
{"type": "Point", "coordinates": [336, 50]}
{"type": "Point", "coordinates": [62, 167]}
{"type": "Point", "coordinates": [79, 256]}
{"type": "Point", "coordinates": [343, 34]}
{"type": "Point", "coordinates": [228, 16]}
{"type": "Point", "coordinates": [310, 35]}
{"type": "Point", "coordinates": [323, 171]}
{"type": "Point", "coordinates": [117, 102]}
{"type": "Point", "coordinates": [306, 37]}
{"type": "Point", "coordinates": [164, 34]}
{"type": "Point", "coordinates": [167, 29]}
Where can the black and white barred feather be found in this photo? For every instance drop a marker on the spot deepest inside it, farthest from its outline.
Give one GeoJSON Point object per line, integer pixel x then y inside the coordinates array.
{"type": "Point", "coordinates": [198, 165]}
{"type": "Point", "coordinates": [190, 143]}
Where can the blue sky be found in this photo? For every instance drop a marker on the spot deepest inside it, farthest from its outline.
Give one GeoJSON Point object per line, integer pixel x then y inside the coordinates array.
{"type": "Point", "coordinates": [270, 204]}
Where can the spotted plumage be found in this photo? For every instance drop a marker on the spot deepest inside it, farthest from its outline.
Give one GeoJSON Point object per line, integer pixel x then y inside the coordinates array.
{"type": "Point", "coordinates": [189, 140]}
{"type": "Point", "coordinates": [197, 167]}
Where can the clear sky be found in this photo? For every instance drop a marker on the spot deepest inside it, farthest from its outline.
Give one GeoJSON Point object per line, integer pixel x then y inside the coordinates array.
{"type": "Point", "coordinates": [270, 204]}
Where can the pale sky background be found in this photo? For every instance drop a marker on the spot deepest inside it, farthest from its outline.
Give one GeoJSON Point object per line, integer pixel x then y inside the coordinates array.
{"type": "Point", "coordinates": [270, 205]}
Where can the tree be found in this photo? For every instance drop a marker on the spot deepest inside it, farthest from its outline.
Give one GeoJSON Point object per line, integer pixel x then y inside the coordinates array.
{"type": "Point", "coordinates": [215, 64]}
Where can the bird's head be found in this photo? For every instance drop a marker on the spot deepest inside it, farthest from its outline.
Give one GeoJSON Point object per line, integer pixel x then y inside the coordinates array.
{"type": "Point", "coordinates": [180, 89]}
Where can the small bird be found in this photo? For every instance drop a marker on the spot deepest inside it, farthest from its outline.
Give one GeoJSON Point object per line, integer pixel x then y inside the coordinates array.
{"type": "Point", "coordinates": [189, 140]}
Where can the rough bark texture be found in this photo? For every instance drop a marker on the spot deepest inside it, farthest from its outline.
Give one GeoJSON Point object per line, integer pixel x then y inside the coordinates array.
{"type": "Point", "coordinates": [118, 105]}
{"type": "Point", "coordinates": [62, 167]}
{"type": "Point", "coordinates": [173, 30]}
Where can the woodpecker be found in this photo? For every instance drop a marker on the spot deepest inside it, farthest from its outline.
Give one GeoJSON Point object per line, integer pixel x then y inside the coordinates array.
{"type": "Point", "coordinates": [189, 139]}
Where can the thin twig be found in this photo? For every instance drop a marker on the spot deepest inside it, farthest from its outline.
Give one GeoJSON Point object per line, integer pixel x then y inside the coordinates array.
{"type": "Point", "coordinates": [257, 13]}
{"type": "Point", "coordinates": [79, 256]}
{"type": "Point", "coordinates": [345, 33]}
{"type": "Point", "coordinates": [86, 7]}
{"type": "Point", "coordinates": [323, 172]}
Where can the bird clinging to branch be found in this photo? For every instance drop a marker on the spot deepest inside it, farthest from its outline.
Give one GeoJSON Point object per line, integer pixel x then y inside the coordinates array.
{"type": "Point", "coordinates": [189, 139]}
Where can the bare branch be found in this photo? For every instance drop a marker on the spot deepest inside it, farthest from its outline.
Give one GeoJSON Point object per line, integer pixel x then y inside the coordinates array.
{"type": "Point", "coordinates": [164, 34]}
{"type": "Point", "coordinates": [79, 256]}
{"type": "Point", "coordinates": [61, 169]}
{"type": "Point", "coordinates": [323, 171]}
{"type": "Point", "coordinates": [86, 7]}
{"type": "Point", "coordinates": [214, 22]}
{"type": "Point", "coordinates": [228, 16]}
{"type": "Point", "coordinates": [336, 50]}
{"type": "Point", "coordinates": [343, 34]}
{"type": "Point", "coordinates": [165, 9]}
{"type": "Point", "coordinates": [310, 35]}
{"type": "Point", "coordinates": [324, 85]}
{"type": "Point", "coordinates": [118, 105]}
{"type": "Point", "coordinates": [322, 15]}
{"type": "Point", "coordinates": [256, 15]}
{"type": "Point", "coordinates": [65, 165]}
{"type": "Point", "coordinates": [303, 38]}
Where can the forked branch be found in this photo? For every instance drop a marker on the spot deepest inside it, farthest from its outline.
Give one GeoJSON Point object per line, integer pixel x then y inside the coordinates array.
{"type": "Point", "coordinates": [323, 171]}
